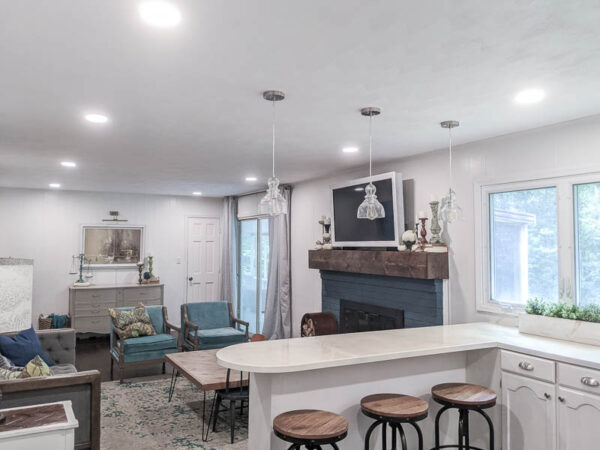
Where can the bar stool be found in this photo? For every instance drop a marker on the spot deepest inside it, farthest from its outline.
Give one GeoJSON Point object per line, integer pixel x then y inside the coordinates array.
{"type": "Point", "coordinates": [464, 397]}
{"type": "Point", "coordinates": [394, 410]}
{"type": "Point", "coordinates": [310, 428]}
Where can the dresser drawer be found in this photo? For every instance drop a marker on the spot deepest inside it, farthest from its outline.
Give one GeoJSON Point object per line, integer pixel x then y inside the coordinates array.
{"type": "Point", "coordinates": [530, 366]}
{"type": "Point", "coordinates": [92, 324]}
{"type": "Point", "coordinates": [132, 297]}
{"type": "Point", "coordinates": [579, 378]}
{"type": "Point", "coordinates": [92, 310]}
{"type": "Point", "coordinates": [96, 296]}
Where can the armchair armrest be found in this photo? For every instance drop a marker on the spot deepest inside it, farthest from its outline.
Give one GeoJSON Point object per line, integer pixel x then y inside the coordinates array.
{"type": "Point", "coordinates": [168, 325]}
{"type": "Point", "coordinates": [117, 335]}
{"type": "Point", "coordinates": [235, 320]}
{"type": "Point", "coordinates": [189, 326]}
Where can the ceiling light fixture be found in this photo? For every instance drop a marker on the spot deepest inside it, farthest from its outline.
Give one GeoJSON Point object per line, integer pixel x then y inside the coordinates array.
{"type": "Point", "coordinates": [530, 96]}
{"type": "Point", "coordinates": [251, 178]}
{"type": "Point", "coordinates": [273, 203]}
{"type": "Point", "coordinates": [450, 210]}
{"type": "Point", "coordinates": [68, 164]}
{"type": "Point", "coordinates": [160, 14]}
{"type": "Point", "coordinates": [54, 185]}
{"type": "Point", "coordinates": [350, 149]}
{"type": "Point", "coordinates": [370, 208]}
{"type": "Point", "coordinates": [196, 193]}
{"type": "Point", "coordinates": [96, 118]}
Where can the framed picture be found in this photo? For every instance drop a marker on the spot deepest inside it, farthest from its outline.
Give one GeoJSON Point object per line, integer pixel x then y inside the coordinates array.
{"type": "Point", "coordinates": [113, 246]}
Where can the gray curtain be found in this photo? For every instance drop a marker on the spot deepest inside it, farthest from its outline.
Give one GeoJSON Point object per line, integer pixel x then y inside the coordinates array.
{"type": "Point", "coordinates": [278, 304]}
{"type": "Point", "coordinates": [229, 251]}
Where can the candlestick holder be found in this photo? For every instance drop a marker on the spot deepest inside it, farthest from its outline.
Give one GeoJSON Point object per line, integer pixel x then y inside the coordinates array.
{"type": "Point", "coordinates": [140, 267]}
{"type": "Point", "coordinates": [423, 230]}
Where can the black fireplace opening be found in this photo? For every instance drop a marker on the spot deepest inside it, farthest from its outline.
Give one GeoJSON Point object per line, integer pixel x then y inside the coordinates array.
{"type": "Point", "coordinates": [356, 317]}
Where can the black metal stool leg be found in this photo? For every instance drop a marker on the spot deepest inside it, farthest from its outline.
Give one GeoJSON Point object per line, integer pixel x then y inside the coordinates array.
{"type": "Point", "coordinates": [334, 445]}
{"type": "Point", "coordinates": [369, 431]}
{"type": "Point", "coordinates": [419, 433]}
{"type": "Point", "coordinates": [402, 437]}
{"type": "Point", "coordinates": [490, 425]}
{"type": "Point", "coordinates": [437, 426]}
{"type": "Point", "coordinates": [461, 430]}
{"type": "Point", "coordinates": [383, 436]}
{"type": "Point", "coordinates": [393, 428]}
{"type": "Point", "coordinates": [466, 429]}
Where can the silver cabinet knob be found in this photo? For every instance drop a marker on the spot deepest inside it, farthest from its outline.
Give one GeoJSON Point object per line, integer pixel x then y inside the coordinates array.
{"type": "Point", "coordinates": [190, 278]}
{"type": "Point", "coordinates": [526, 366]}
{"type": "Point", "coordinates": [561, 399]}
{"type": "Point", "coordinates": [546, 395]}
{"type": "Point", "coordinates": [589, 381]}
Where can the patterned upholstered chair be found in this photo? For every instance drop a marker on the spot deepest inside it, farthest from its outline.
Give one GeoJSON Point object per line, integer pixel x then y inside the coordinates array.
{"type": "Point", "coordinates": [145, 349]}
{"type": "Point", "coordinates": [207, 325]}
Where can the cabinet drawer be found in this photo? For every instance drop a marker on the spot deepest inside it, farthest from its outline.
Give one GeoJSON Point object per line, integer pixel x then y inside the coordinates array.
{"type": "Point", "coordinates": [530, 366]}
{"type": "Point", "coordinates": [579, 378]}
{"type": "Point", "coordinates": [92, 324]}
{"type": "Point", "coordinates": [132, 297]}
{"type": "Point", "coordinates": [96, 296]}
{"type": "Point", "coordinates": [92, 311]}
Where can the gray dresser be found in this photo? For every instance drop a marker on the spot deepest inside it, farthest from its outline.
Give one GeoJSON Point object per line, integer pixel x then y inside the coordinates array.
{"type": "Point", "coordinates": [89, 305]}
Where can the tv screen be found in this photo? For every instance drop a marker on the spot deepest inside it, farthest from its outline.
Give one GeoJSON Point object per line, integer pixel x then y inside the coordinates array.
{"type": "Point", "coordinates": [350, 231]}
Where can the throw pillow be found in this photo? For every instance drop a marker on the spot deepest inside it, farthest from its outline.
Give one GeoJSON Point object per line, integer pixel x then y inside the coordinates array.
{"type": "Point", "coordinates": [134, 322]}
{"type": "Point", "coordinates": [23, 347]}
{"type": "Point", "coordinates": [5, 363]}
{"type": "Point", "coordinates": [36, 368]}
{"type": "Point", "coordinates": [7, 374]}
{"type": "Point", "coordinates": [137, 329]}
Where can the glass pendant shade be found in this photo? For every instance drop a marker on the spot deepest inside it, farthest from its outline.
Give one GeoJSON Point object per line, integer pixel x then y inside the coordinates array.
{"type": "Point", "coordinates": [450, 210]}
{"type": "Point", "coordinates": [370, 208]}
{"type": "Point", "coordinates": [273, 203]}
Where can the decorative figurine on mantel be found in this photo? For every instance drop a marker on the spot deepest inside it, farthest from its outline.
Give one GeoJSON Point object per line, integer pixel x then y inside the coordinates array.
{"type": "Point", "coordinates": [436, 229]}
{"type": "Point", "coordinates": [409, 238]}
{"type": "Point", "coordinates": [423, 219]}
{"type": "Point", "coordinates": [81, 282]}
{"type": "Point", "coordinates": [325, 244]}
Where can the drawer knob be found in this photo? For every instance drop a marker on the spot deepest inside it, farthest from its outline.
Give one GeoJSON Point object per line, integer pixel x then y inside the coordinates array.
{"type": "Point", "coordinates": [546, 395]}
{"type": "Point", "coordinates": [561, 399]}
{"type": "Point", "coordinates": [589, 381]}
{"type": "Point", "coordinates": [526, 366]}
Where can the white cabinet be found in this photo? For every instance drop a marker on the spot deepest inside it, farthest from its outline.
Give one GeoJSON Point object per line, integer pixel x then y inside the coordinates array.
{"type": "Point", "coordinates": [529, 413]}
{"type": "Point", "coordinates": [579, 419]}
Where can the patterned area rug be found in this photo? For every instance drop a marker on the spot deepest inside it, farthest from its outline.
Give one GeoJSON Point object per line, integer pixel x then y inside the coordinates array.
{"type": "Point", "coordinates": [138, 416]}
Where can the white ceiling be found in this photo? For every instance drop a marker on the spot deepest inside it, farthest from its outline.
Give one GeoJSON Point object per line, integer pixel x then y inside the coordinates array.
{"type": "Point", "coordinates": [185, 103]}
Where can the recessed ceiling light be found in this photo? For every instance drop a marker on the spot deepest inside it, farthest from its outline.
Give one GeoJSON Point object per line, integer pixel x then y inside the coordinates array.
{"type": "Point", "coordinates": [68, 164]}
{"type": "Point", "coordinates": [530, 96]}
{"type": "Point", "coordinates": [251, 178]}
{"type": "Point", "coordinates": [160, 14]}
{"type": "Point", "coordinates": [96, 118]}
{"type": "Point", "coordinates": [54, 185]}
{"type": "Point", "coordinates": [196, 193]}
{"type": "Point", "coordinates": [359, 189]}
{"type": "Point", "coordinates": [350, 149]}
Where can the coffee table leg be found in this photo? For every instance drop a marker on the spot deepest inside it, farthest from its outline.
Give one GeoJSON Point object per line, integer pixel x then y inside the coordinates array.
{"type": "Point", "coordinates": [203, 413]}
{"type": "Point", "coordinates": [174, 377]}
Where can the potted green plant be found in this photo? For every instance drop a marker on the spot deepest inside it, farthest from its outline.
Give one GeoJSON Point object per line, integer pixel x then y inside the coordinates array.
{"type": "Point", "coordinates": [560, 320]}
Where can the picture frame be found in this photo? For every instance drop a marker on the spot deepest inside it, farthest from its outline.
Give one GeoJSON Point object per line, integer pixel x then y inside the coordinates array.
{"type": "Point", "coordinates": [113, 246]}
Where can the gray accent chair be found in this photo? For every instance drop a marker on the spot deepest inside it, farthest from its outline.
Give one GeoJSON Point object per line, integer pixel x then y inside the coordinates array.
{"type": "Point", "coordinates": [82, 388]}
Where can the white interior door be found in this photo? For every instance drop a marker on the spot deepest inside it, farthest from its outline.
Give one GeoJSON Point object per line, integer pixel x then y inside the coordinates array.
{"type": "Point", "coordinates": [203, 259]}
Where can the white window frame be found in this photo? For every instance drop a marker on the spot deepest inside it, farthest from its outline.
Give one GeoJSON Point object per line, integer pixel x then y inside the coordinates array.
{"type": "Point", "coordinates": [565, 184]}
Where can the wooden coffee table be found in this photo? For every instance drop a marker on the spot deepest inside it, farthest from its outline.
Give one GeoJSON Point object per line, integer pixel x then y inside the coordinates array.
{"type": "Point", "coordinates": [203, 371]}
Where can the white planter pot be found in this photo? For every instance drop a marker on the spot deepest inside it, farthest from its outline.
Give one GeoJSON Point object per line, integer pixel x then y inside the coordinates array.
{"type": "Point", "coordinates": [565, 329]}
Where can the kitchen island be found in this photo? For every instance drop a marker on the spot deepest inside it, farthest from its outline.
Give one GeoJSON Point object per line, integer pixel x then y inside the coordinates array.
{"type": "Point", "coordinates": [335, 372]}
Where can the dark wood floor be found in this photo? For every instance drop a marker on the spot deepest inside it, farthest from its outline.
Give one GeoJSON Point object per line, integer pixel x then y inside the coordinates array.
{"type": "Point", "coordinates": [92, 353]}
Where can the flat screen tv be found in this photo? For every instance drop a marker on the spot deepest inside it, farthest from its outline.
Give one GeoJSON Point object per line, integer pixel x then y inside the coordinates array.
{"type": "Point", "coordinates": [349, 231]}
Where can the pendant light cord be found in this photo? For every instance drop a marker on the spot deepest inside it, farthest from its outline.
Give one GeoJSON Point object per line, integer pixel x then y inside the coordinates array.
{"type": "Point", "coordinates": [450, 157]}
{"type": "Point", "coordinates": [370, 144]}
{"type": "Point", "coordinates": [273, 138]}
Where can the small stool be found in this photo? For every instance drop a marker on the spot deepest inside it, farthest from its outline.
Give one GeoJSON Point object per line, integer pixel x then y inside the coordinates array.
{"type": "Point", "coordinates": [311, 428]}
{"type": "Point", "coordinates": [464, 397]}
{"type": "Point", "coordinates": [393, 410]}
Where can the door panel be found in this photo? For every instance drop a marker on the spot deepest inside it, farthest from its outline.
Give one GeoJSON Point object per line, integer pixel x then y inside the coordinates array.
{"type": "Point", "coordinates": [204, 265]}
{"type": "Point", "coordinates": [579, 419]}
{"type": "Point", "coordinates": [529, 413]}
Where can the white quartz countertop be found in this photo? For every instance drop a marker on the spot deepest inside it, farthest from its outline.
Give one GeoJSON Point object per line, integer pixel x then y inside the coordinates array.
{"type": "Point", "coordinates": [319, 352]}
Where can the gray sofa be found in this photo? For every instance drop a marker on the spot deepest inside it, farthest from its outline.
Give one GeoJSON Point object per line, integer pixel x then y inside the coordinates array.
{"type": "Point", "coordinates": [82, 388]}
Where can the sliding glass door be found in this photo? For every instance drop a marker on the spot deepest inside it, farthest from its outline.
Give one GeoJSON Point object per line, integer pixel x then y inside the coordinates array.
{"type": "Point", "coordinates": [254, 271]}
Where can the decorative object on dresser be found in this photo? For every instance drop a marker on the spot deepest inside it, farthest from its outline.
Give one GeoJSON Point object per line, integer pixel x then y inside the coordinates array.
{"type": "Point", "coordinates": [151, 279]}
{"type": "Point", "coordinates": [140, 267]}
{"type": "Point", "coordinates": [112, 246]}
{"type": "Point", "coordinates": [16, 290]}
{"type": "Point", "coordinates": [80, 281]}
{"type": "Point", "coordinates": [325, 244]}
{"type": "Point", "coordinates": [318, 324]}
{"type": "Point", "coordinates": [126, 351]}
{"type": "Point", "coordinates": [88, 306]}
{"type": "Point", "coordinates": [208, 325]}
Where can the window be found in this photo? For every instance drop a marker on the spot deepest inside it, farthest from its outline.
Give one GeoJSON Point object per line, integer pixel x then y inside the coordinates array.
{"type": "Point", "coordinates": [533, 238]}
{"type": "Point", "coordinates": [254, 270]}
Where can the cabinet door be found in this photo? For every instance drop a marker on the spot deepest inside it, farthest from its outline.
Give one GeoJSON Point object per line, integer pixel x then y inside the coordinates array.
{"type": "Point", "coordinates": [529, 413]}
{"type": "Point", "coordinates": [579, 420]}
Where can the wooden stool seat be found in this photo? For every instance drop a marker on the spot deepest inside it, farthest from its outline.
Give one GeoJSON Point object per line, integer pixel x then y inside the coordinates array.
{"type": "Point", "coordinates": [310, 425]}
{"type": "Point", "coordinates": [464, 394]}
{"type": "Point", "coordinates": [394, 406]}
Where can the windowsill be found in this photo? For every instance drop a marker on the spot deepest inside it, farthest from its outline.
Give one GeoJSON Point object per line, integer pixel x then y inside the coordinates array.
{"type": "Point", "coordinates": [499, 309]}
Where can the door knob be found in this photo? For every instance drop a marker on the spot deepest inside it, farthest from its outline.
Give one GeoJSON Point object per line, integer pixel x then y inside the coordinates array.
{"type": "Point", "coordinates": [546, 395]}
{"type": "Point", "coordinates": [190, 278]}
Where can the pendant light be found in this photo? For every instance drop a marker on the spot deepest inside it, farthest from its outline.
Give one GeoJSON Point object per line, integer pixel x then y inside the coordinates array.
{"type": "Point", "coordinates": [273, 202]}
{"type": "Point", "coordinates": [370, 208]}
{"type": "Point", "coordinates": [450, 210]}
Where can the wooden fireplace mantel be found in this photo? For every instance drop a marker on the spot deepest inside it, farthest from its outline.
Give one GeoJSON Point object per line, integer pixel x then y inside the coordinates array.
{"type": "Point", "coordinates": [423, 265]}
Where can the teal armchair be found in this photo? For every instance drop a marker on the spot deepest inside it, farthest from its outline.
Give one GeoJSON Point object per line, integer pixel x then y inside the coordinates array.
{"type": "Point", "coordinates": [144, 349]}
{"type": "Point", "coordinates": [206, 325]}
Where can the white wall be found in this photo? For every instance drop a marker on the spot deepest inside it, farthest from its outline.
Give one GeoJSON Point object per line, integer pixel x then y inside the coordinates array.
{"type": "Point", "coordinates": [570, 145]}
{"type": "Point", "coordinates": [46, 227]}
